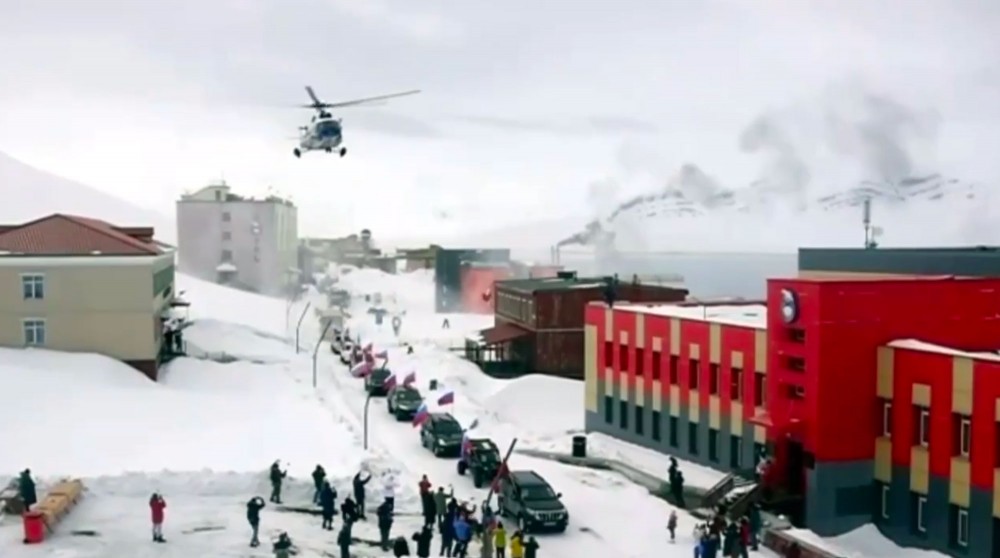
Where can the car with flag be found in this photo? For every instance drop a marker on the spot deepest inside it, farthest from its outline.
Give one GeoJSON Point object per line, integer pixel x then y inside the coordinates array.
{"type": "Point", "coordinates": [529, 499]}
{"type": "Point", "coordinates": [379, 381]}
{"type": "Point", "coordinates": [404, 401]}
{"type": "Point", "coordinates": [439, 432]}
{"type": "Point", "coordinates": [481, 459]}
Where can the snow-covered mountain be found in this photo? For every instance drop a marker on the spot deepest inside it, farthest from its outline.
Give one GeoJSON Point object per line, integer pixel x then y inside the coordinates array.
{"type": "Point", "coordinates": [693, 211]}
{"type": "Point", "coordinates": [27, 193]}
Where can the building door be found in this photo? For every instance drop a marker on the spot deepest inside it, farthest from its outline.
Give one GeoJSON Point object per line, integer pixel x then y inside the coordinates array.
{"type": "Point", "coordinates": [795, 471]}
{"type": "Point", "coordinates": [996, 538]}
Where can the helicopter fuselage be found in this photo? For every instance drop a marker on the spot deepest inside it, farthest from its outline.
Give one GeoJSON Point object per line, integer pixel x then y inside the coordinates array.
{"type": "Point", "coordinates": [323, 134]}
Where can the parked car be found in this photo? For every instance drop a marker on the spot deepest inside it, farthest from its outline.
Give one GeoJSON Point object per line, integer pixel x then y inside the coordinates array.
{"type": "Point", "coordinates": [527, 498]}
{"type": "Point", "coordinates": [482, 461]}
{"type": "Point", "coordinates": [441, 434]}
{"type": "Point", "coordinates": [404, 402]}
{"type": "Point", "coordinates": [347, 351]}
{"type": "Point", "coordinates": [375, 381]}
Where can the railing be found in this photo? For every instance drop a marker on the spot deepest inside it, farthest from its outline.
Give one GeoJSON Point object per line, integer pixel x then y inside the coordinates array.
{"type": "Point", "coordinates": [719, 491]}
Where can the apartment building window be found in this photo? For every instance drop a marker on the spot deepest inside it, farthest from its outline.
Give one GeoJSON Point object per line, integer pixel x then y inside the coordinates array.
{"type": "Point", "coordinates": [963, 435]}
{"type": "Point", "coordinates": [672, 426]}
{"type": "Point", "coordinates": [693, 438]}
{"type": "Point", "coordinates": [609, 354]}
{"type": "Point", "coordinates": [797, 363]}
{"type": "Point", "coordinates": [657, 364]}
{"type": "Point", "coordinates": [226, 235]}
{"type": "Point", "coordinates": [759, 399]}
{"type": "Point", "coordinates": [713, 379]}
{"type": "Point", "coordinates": [656, 426]}
{"type": "Point", "coordinates": [886, 418]}
{"type": "Point", "coordinates": [796, 392]}
{"type": "Point", "coordinates": [693, 372]}
{"type": "Point", "coordinates": [923, 430]}
{"type": "Point", "coordinates": [919, 517]}
{"type": "Point", "coordinates": [883, 500]}
{"type": "Point", "coordinates": [639, 426]}
{"type": "Point", "coordinates": [623, 415]}
{"type": "Point", "coordinates": [735, 452]}
{"type": "Point", "coordinates": [226, 217]}
{"type": "Point", "coordinates": [33, 286]}
{"type": "Point", "coordinates": [713, 445]}
{"type": "Point", "coordinates": [796, 335]}
{"type": "Point", "coordinates": [736, 385]}
{"type": "Point", "coordinates": [640, 358]}
{"type": "Point", "coordinates": [609, 409]}
{"type": "Point", "coordinates": [960, 527]}
{"type": "Point", "coordinates": [623, 357]}
{"type": "Point", "coordinates": [674, 370]}
{"type": "Point", "coordinates": [227, 256]}
{"type": "Point", "coordinates": [34, 332]}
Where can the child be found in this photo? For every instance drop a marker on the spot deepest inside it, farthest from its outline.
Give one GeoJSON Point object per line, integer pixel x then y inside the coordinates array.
{"type": "Point", "coordinates": [672, 525]}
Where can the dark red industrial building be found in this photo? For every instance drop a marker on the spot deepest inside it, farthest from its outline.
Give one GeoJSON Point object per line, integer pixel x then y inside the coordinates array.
{"type": "Point", "coordinates": [539, 322]}
{"type": "Point", "coordinates": [878, 398]}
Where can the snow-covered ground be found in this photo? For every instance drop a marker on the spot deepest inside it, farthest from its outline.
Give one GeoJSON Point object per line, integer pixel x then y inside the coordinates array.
{"type": "Point", "coordinates": [206, 433]}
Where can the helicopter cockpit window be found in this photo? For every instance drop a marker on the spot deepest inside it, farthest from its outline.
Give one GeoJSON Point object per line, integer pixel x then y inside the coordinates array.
{"type": "Point", "coordinates": [327, 128]}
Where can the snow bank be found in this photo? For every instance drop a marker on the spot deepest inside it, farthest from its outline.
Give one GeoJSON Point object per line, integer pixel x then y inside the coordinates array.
{"type": "Point", "coordinates": [412, 291]}
{"type": "Point", "coordinates": [212, 301]}
{"type": "Point", "coordinates": [87, 415]}
{"type": "Point", "coordinates": [209, 338]}
{"type": "Point", "coordinates": [863, 542]}
{"type": "Point", "coordinates": [539, 404]}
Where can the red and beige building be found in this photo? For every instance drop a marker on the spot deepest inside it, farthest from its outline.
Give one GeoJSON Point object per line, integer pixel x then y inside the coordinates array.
{"type": "Point", "coordinates": [877, 397]}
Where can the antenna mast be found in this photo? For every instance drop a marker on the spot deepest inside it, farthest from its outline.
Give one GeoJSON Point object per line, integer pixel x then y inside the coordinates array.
{"type": "Point", "coordinates": [866, 220]}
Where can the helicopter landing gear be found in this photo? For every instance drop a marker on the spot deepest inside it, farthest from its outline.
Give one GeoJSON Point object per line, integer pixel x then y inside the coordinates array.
{"type": "Point", "coordinates": [297, 153]}
{"type": "Point", "coordinates": [343, 151]}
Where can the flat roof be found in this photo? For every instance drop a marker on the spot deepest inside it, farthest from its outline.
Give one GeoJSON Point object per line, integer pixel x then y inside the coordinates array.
{"type": "Point", "coordinates": [741, 315]}
{"type": "Point", "coordinates": [923, 346]}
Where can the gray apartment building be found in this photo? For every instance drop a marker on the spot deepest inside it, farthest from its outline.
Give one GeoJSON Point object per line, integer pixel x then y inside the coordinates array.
{"type": "Point", "coordinates": [249, 243]}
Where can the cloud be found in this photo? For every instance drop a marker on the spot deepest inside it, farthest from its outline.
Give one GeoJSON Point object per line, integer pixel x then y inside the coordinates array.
{"type": "Point", "coordinates": [392, 123]}
{"type": "Point", "coordinates": [586, 126]}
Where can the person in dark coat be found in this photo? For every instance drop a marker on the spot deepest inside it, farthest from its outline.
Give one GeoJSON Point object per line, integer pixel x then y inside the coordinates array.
{"type": "Point", "coordinates": [730, 540]}
{"type": "Point", "coordinates": [328, 502]}
{"type": "Point", "coordinates": [283, 546]}
{"type": "Point", "coordinates": [26, 489]}
{"type": "Point", "coordinates": [344, 540]}
{"type": "Point", "coordinates": [447, 536]}
{"type": "Point", "coordinates": [400, 548]}
{"type": "Point", "coordinates": [755, 523]}
{"type": "Point", "coordinates": [677, 488]}
{"type": "Point", "coordinates": [531, 548]}
{"type": "Point", "coordinates": [319, 477]}
{"type": "Point", "coordinates": [384, 514]}
{"type": "Point", "coordinates": [277, 477]}
{"type": "Point", "coordinates": [423, 540]}
{"type": "Point", "coordinates": [429, 508]}
{"type": "Point", "coordinates": [349, 510]}
{"type": "Point", "coordinates": [253, 517]}
{"type": "Point", "coordinates": [359, 483]}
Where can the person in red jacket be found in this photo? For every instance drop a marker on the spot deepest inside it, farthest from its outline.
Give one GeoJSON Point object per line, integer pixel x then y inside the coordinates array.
{"type": "Point", "coordinates": [425, 486]}
{"type": "Point", "coordinates": [156, 506]}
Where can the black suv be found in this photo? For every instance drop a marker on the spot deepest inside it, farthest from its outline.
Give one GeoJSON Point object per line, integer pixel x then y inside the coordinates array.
{"type": "Point", "coordinates": [404, 402]}
{"type": "Point", "coordinates": [526, 497]}
{"type": "Point", "coordinates": [482, 461]}
{"type": "Point", "coordinates": [441, 434]}
{"type": "Point", "coordinates": [375, 381]}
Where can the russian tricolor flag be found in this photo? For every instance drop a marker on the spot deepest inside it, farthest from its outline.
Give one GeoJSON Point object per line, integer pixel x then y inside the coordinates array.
{"type": "Point", "coordinates": [362, 369]}
{"type": "Point", "coordinates": [390, 382]}
{"type": "Point", "coordinates": [421, 416]}
{"type": "Point", "coordinates": [382, 354]}
{"type": "Point", "coordinates": [447, 399]}
{"type": "Point", "coordinates": [410, 378]}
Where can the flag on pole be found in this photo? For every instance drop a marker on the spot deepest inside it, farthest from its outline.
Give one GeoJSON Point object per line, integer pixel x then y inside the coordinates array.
{"type": "Point", "coordinates": [382, 354]}
{"type": "Point", "coordinates": [421, 416]}
{"type": "Point", "coordinates": [361, 370]}
{"type": "Point", "coordinates": [390, 383]}
{"type": "Point", "coordinates": [410, 379]}
{"type": "Point", "coordinates": [447, 399]}
{"type": "Point", "coordinates": [368, 348]}
{"type": "Point", "coordinates": [501, 476]}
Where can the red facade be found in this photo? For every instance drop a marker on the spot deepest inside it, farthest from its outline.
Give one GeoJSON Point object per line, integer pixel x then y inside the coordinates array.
{"type": "Point", "coordinates": [478, 284]}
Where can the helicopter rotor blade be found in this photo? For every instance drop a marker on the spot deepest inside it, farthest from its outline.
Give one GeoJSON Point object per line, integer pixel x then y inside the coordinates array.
{"type": "Point", "coordinates": [369, 100]}
{"type": "Point", "coordinates": [312, 95]}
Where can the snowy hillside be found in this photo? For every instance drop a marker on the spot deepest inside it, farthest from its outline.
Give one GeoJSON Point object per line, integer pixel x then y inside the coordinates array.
{"type": "Point", "coordinates": [29, 193]}
{"type": "Point", "coordinates": [693, 212]}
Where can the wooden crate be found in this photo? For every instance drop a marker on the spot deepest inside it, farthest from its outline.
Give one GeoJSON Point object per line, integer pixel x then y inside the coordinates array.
{"type": "Point", "coordinates": [59, 500]}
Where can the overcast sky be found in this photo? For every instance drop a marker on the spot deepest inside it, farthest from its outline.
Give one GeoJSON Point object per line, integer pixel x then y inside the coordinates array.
{"type": "Point", "coordinates": [525, 103]}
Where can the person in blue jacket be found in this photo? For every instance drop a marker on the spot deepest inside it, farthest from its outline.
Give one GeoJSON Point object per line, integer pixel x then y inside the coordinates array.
{"type": "Point", "coordinates": [463, 534]}
{"type": "Point", "coordinates": [447, 537]}
{"type": "Point", "coordinates": [328, 503]}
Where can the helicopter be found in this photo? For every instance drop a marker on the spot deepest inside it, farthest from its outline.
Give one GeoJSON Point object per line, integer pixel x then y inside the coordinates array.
{"type": "Point", "coordinates": [324, 132]}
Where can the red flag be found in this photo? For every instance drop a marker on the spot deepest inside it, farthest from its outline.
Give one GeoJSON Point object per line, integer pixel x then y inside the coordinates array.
{"type": "Point", "coordinates": [410, 378]}
{"type": "Point", "coordinates": [447, 399]}
{"type": "Point", "coordinates": [501, 475]}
